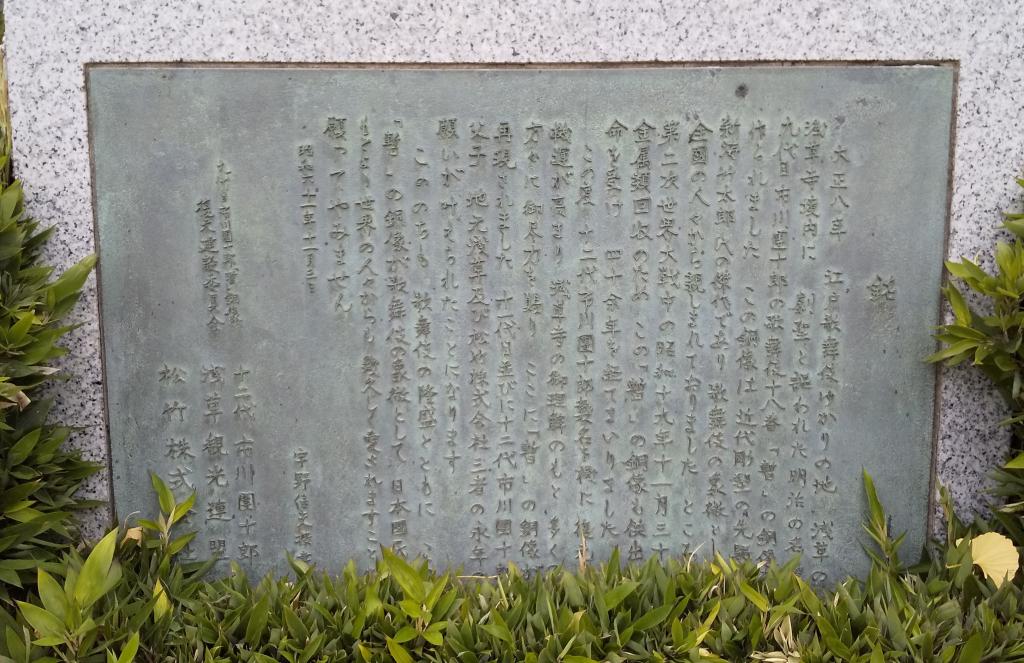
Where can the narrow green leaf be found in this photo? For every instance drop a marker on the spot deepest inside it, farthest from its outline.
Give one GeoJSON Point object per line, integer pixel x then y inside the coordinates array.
{"type": "Point", "coordinates": [10, 201]}
{"type": "Point", "coordinates": [617, 594]}
{"type": "Point", "coordinates": [952, 351]}
{"type": "Point", "coordinates": [412, 609]}
{"type": "Point", "coordinates": [181, 510]}
{"type": "Point", "coordinates": [296, 628]}
{"type": "Point", "coordinates": [44, 622]}
{"type": "Point", "coordinates": [163, 494]}
{"type": "Point", "coordinates": [70, 282]}
{"type": "Point", "coordinates": [434, 633]}
{"type": "Point", "coordinates": [406, 576]}
{"type": "Point", "coordinates": [405, 634]}
{"type": "Point", "coordinates": [499, 631]}
{"type": "Point", "coordinates": [436, 591]}
{"type": "Point", "coordinates": [759, 600]}
{"type": "Point", "coordinates": [130, 649]}
{"type": "Point", "coordinates": [16, 646]}
{"type": "Point", "coordinates": [92, 579]}
{"type": "Point", "coordinates": [959, 305]}
{"type": "Point", "coordinates": [973, 650]}
{"type": "Point", "coordinates": [653, 617]}
{"type": "Point", "coordinates": [257, 620]}
{"type": "Point", "coordinates": [1015, 224]}
{"type": "Point", "coordinates": [52, 594]}
{"type": "Point", "coordinates": [678, 635]}
{"type": "Point", "coordinates": [965, 269]}
{"type": "Point", "coordinates": [23, 448]}
{"type": "Point", "coordinates": [1004, 362]}
{"type": "Point", "coordinates": [398, 652]}
{"type": "Point", "coordinates": [572, 589]}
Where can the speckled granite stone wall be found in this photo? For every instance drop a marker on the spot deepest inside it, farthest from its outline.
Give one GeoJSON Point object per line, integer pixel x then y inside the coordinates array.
{"type": "Point", "coordinates": [48, 42]}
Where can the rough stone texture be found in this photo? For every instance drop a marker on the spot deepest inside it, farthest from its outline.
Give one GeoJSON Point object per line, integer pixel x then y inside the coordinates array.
{"type": "Point", "coordinates": [47, 43]}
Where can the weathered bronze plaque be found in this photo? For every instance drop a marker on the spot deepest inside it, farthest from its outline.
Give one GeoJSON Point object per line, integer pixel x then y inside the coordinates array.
{"type": "Point", "coordinates": [485, 313]}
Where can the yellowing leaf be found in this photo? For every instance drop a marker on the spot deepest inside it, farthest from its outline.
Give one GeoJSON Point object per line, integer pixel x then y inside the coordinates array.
{"type": "Point", "coordinates": [1016, 464]}
{"type": "Point", "coordinates": [163, 604]}
{"type": "Point", "coordinates": [708, 655]}
{"type": "Point", "coordinates": [132, 534]}
{"type": "Point", "coordinates": [995, 555]}
{"type": "Point", "coordinates": [130, 649]}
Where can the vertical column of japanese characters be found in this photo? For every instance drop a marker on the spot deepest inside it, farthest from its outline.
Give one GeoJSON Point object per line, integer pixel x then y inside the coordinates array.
{"type": "Point", "coordinates": [370, 363]}
{"type": "Point", "coordinates": [397, 263]}
{"type": "Point", "coordinates": [666, 371]}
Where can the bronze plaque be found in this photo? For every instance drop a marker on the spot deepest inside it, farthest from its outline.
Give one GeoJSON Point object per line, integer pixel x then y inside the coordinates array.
{"type": "Point", "coordinates": [485, 313]}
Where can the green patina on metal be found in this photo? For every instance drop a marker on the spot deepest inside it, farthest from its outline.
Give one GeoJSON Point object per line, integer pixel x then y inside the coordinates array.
{"type": "Point", "coordinates": [484, 313]}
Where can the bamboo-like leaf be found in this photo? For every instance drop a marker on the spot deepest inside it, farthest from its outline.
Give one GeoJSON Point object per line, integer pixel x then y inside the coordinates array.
{"type": "Point", "coordinates": [434, 634]}
{"type": "Point", "coordinates": [52, 595]}
{"type": "Point", "coordinates": [22, 449]}
{"type": "Point", "coordinates": [181, 510]}
{"type": "Point", "coordinates": [759, 600]}
{"type": "Point", "coordinates": [436, 590]}
{"type": "Point", "coordinates": [965, 269]}
{"type": "Point", "coordinates": [499, 629]}
{"type": "Point", "coordinates": [1015, 224]}
{"type": "Point", "coordinates": [959, 305]}
{"type": "Point", "coordinates": [875, 510]}
{"type": "Point", "coordinates": [973, 649]}
{"type": "Point", "coordinates": [398, 652]}
{"type": "Point", "coordinates": [163, 493]}
{"type": "Point", "coordinates": [653, 617]}
{"type": "Point", "coordinates": [43, 621]}
{"type": "Point", "coordinates": [130, 649]}
{"type": "Point", "coordinates": [71, 281]}
{"type": "Point", "coordinates": [92, 579]}
{"type": "Point", "coordinates": [618, 593]}
{"type": "Point", "coordinates": [405, 634]}
{"type": "Point", "coordinates": [952, 351]}
{"type": "Point", "coordinates": [257, 620]}
{"type": "Point", "coordinates": [406, 576]}
{"type": "Point", "coordinates": [296, 628]}
{"type": "Point", "coordinates": [162, 606]}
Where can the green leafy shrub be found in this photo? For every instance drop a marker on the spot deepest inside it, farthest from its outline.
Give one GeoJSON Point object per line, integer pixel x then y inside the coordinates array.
{"type": "Point", "coordinates": [129, 595]}
{"type": "Point", "coordinates": [107, 600]}
{"type": "Point", "coordinates": [38, 476]}
{"type": "Point", "coordinates": [38, 482]}
{"type": "Point", "coordinates": [994, 343]}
